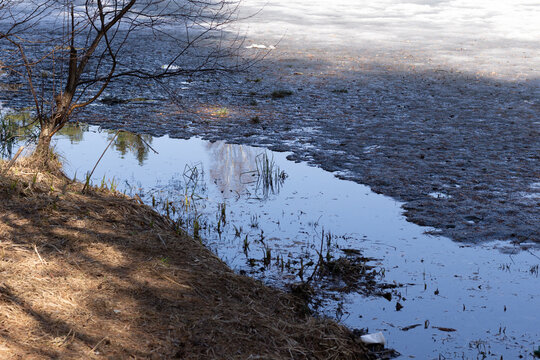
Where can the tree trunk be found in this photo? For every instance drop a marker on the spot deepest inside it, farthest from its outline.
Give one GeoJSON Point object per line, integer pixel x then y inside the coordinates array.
{"type": "Point", "coordinates": [43, 155]}
{"type": "Point", "coordinates": [49, 127]}
{"type": "Point", "coordinates": [44, 141]}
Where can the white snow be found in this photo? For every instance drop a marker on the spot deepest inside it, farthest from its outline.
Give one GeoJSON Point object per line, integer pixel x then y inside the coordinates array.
{"type": "Point", "coordinates": [495, 37]}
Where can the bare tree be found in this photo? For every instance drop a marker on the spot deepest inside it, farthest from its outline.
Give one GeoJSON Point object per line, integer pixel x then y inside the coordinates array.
{"type": "Point", "coordinates": [82, 46]}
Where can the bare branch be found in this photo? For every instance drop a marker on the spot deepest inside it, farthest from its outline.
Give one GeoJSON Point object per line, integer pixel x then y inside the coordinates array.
{"type": "Point", "coordinates": [81, 47]}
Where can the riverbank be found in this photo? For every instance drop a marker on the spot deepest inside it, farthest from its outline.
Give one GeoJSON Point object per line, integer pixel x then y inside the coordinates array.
{"type": "Point", "coordinates": [99, 275]}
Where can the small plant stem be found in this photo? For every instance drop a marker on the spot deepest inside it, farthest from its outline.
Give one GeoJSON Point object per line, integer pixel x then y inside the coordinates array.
{"type": "Point", "coordinates": [320, 262]}
{"type": "Point", "coordinates": [95, 166]}
{"type": "Point", "coordinates": [138, 198]}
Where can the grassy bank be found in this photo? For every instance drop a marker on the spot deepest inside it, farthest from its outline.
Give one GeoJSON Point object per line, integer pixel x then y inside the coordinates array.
{"type": "Point", "coordinates": [98, 275]}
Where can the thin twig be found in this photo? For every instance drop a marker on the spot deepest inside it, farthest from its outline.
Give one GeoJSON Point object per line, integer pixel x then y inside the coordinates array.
{"type": "Point", "coordinates": [66, 338]}
{"type": "Point", "coordinates": [95, 166]}
{"type": "Point", "coordinates": [39, 256]}
{"type": "Point", "coordinates": [172, 280]}
{"type": "Point", "coordinates": [162, 241]}
{"type": "Point", "coordinates": [533, 254]}
{"type": "Point", "coordinates": [147, 144]}
{"type": "Point", "coordinates": [100, 341]}
{"type": "Point", "coordinates": [12, 161]}
{"type": "Point", "coordinates": [107, 148]}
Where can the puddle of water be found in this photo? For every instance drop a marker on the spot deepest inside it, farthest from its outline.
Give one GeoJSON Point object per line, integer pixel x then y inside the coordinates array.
{"type": "Point", "coordinates": [488, 293]}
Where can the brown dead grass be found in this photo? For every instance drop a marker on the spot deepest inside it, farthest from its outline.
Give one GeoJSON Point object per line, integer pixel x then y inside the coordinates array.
{"type": "Point", "coordinates": [101, 276]}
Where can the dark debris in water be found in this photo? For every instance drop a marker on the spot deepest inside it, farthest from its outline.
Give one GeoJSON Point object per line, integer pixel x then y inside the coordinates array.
{"type": "Point", "coordinates": [407, 328]}
{"type": "Point", "coordinates": [280, 94]}
{"type": "Point", "coordinates": [334, 276]}
{"type": "Point", "coordinates": [354, 273]}
{"type": "Point", "coordinates": [351, 270]}
{"type": "Point", "coordinates": [445, 329]}
{"type": "Point", "coordinates": [110, 100]}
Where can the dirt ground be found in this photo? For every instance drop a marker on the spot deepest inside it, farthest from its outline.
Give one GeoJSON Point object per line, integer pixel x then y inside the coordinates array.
{"type": "Point", "coordinates": [99, 275]}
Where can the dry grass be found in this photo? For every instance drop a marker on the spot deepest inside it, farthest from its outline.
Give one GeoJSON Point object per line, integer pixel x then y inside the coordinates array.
{"type": "Point", "coordinates": [101, 276]}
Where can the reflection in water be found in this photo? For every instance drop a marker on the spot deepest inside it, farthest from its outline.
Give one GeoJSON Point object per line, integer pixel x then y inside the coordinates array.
{"type": "Point", "coordinates": [14, 126]}
{"type": "Point", "coordinates": [232, 166]}
{"type": "Point", "coordinates": [7, 138]}
{"type": "Point", "coordinates": [74, 132]}
{"type": "Point", "coordinates": [244, 170]}
{"type": "Point", "coordinates": [21, 125]}
{"type": "Point", "coordinates": [125, 142]}
{"type": "Point", "coordinates": [270, 177]}
{"type": "Point", "coordinates": [129, 142]}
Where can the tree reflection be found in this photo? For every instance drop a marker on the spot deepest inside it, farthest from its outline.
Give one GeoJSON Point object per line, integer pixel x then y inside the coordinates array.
{"type": "Point", "coordinates": [232, 166]}
{"type": "Point", "coordinates": [129, 142]}
{"type": "Point", "coordinates": [17, 126]}
{"type": "Point", "coordinates": [125, 142]}
{"type": "Point", "coordinates": [241, 169]}
{"type": "Point", "coordinates": [14, 126]}
{"type": "Point", "coordinates": [74, 132]}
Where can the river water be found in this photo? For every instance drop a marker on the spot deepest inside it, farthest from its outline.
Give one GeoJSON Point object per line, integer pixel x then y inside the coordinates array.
{"type": "Point", "coordinates": [488, 292]}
